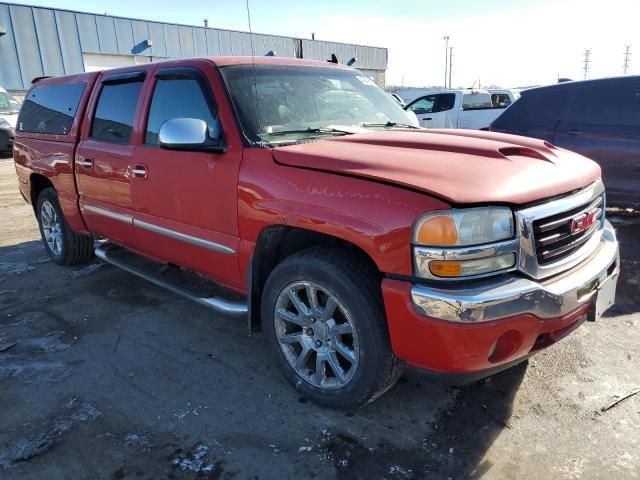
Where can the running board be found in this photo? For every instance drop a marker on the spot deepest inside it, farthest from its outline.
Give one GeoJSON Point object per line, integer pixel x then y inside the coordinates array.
{"type": "Point", "coordinates": [184, 283]}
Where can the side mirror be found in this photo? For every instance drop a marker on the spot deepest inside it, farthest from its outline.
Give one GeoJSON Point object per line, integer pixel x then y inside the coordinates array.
{"type": "Point", "coordinates": [188, 134]}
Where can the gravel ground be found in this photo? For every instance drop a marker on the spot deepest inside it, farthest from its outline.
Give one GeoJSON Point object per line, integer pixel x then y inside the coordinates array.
{"type": "Point", "coordinates": [105, 376]}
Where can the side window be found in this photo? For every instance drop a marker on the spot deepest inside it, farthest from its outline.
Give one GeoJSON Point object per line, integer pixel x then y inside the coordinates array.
{"type": "Point", "coordinates": [615, 103]}
{"type": "Point", "coordinates": [115, 112]}
{"type": "Point", "coordinates": [50, 108]}
{"type": "Point", "coordinates": [178, 98]}
{"type": "Point", "coordinates": [538, 109]}
{"type": "Point", "coordinates": [424, 105]}
{"type": "Point", "coordinates": [500, 100]}
{"type": "Point", "coordinates": [476, 101]}
{"type": "Point", "coordinates": [444, 102]}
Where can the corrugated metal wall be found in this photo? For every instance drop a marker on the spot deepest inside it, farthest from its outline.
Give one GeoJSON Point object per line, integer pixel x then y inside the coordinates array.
{"type": "Point", "coordinates": [43, 41]}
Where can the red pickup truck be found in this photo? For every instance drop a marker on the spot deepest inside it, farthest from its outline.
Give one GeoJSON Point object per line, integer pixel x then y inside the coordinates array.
{"type": "Point", "coordinates": [300, 196]}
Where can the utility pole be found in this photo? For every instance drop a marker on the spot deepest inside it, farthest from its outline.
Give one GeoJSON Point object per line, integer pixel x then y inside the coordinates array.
{"type": "Point", "coordinates": [446, 58]}
{"type": "Point", "coordinates": [450, 64]}
{"type": "Point", "coordinates": [587, 62]}
{"type": "Point", "coordinates": [627, 58]}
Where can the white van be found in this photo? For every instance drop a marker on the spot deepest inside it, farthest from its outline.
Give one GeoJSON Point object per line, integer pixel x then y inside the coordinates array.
{"type": "Point", "coordinates": [9, 108]}
{"type": "Point", "coordinates": [473, 109]}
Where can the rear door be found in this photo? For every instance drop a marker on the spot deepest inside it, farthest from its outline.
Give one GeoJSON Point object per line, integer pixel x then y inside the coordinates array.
{"type": "Point", "coordinates": [104, 157]}
{"type": "Point", "coordinates": [186, 201]}
{"type": "Point", "coordinates": [603, 123]}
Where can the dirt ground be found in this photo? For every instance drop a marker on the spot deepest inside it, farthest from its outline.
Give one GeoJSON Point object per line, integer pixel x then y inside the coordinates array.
{"type": "Point", "coordinates": [103, 375]}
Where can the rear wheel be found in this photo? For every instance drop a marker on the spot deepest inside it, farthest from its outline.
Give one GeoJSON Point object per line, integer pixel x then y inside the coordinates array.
{"type": "Point", "coordinates": [323, 316]}
{"type": "Point", "coordinates": [63, 245]}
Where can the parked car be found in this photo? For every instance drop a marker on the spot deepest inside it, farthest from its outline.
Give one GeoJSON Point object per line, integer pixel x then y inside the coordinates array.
{"type": "Point", "coordinates": [9, 108]}
{"type": "Point", "coordinates": [596, 118]}
{"type": "Point", "coordinates": [359, 254]}
{"type": "Point", "coordinates": [398, 99]}
{"type": "Point", "coordinates": [470, 109]}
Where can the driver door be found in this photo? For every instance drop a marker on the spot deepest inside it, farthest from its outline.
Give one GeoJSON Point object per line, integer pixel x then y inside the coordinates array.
{"type": "Point", "coordinates": [186, 201]}
{"type": "Point", "coordinates": [424, 109]}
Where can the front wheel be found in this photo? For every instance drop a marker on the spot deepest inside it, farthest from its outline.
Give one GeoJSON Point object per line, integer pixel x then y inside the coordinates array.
{"type": "Point", "coordinates": [324, 319]}
{"type": "Point", "coordinates": [63, 245]}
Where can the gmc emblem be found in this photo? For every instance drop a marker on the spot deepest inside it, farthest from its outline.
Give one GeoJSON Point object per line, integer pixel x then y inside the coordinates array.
{"type": "Point", "coordinates": [584, 221]}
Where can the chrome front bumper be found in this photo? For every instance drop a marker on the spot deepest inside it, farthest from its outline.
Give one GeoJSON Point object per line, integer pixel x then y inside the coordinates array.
{"type": "Point", "coordinates": [512, 294]}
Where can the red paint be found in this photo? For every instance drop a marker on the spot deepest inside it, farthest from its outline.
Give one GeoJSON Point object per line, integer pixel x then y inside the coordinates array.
{"type": "Point", "coordinates": [443, 346]}
{"type": "Point", "coordinates": [455, 165]}
{"type": "Point", "coordinates": [366, 189]}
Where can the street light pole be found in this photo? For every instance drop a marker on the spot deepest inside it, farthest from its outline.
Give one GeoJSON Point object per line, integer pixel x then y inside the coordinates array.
{"type": "Point", "coordinates": [450, 64]}
{"type": "Point", "coordinates": [446, 58]}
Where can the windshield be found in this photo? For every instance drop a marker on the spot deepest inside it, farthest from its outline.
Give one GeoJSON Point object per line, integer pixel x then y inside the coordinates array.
{"type": "Point", "coordinates": [8, 104]}
{"type": "Point", "coordinates": [297, 103]}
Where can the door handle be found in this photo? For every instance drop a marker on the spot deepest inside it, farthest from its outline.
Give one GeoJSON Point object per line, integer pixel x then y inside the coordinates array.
{"type": "Point", "coordinates": [428, 118]}
{"type": "Point", "coordinates": [140, 171]}
{"type": "Point", "coordinates": [85, 162]}
{"type": "Point", "coordinates": [575, 132]}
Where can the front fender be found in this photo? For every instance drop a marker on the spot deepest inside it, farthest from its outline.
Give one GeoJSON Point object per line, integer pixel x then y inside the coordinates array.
{"type": "Point", "coordinates": [374, 216]}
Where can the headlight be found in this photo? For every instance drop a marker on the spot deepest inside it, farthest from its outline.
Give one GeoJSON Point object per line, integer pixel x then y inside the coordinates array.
{"type": "Point", "coordinates": [457, 228]}
{"type": "Point", "coordinates": [450, 244]}
{"type": "Point", "coordinates": [4, 123]}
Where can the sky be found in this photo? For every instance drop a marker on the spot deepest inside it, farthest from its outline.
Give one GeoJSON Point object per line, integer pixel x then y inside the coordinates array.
{"type": "Point", "coordinates": [495, 42]}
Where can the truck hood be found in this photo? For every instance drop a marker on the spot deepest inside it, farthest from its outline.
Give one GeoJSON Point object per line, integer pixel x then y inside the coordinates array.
{"type": "Point", "coordinates": [460, 166]}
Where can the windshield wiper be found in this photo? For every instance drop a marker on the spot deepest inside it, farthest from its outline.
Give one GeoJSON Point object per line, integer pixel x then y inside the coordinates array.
{"type": "Point", "coordinates": [310, 130]}
{"type": "Point", "coordinates": [388, 124]}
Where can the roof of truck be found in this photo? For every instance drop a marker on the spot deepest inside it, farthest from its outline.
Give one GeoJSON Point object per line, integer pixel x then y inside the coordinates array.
{"type": "Point", "coordinates": [247, 60]}
{"type": "Point", "coordinates": [218, 61]}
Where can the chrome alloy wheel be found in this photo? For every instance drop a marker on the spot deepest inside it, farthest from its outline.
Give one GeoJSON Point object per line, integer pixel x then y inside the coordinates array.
{"type": "Point", "coordinates": [51, 228]}
{"type": "Point", "coordinates": [316, 335]}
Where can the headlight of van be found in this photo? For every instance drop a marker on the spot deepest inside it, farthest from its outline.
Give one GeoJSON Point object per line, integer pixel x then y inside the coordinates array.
{"type": "Point", "coordinates": [4, 123]}
{"type": "Point", "coordinates": [464, 243]}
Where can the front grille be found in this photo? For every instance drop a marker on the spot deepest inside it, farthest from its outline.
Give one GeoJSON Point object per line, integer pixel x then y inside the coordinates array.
{"type": "Point", "coordinates": [553, 235]}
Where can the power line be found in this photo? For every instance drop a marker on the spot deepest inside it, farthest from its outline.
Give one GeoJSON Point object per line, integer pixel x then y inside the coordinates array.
{"type": "Point", "coordinates": [587, 62]}
{"type": "Point", "coordinates": [627, 59]}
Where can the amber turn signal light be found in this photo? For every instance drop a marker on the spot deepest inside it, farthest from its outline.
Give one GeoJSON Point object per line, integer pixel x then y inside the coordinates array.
{"type": "Point", "coordinates": [438, 231]}
{"type": "Point", "coordinates": [446, 269]}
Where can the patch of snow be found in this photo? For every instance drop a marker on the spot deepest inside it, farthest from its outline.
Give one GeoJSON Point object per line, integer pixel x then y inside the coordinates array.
{"type": "Point", "coordinates": [398, 471]}
{"type": "Point", "coordinates": [88, 270]}
{"type": "Point", "coordinates": [195, 461]}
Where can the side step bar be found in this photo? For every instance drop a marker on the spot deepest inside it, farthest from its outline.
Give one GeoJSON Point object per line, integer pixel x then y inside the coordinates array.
{"type": "Point", "coordinates": [193, 287]}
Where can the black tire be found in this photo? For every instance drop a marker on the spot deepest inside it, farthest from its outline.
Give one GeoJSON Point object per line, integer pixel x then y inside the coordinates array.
{"type": "Point", "coordinates": [73, 249]}
{"type": "Point", "coordinates": [356, 285]}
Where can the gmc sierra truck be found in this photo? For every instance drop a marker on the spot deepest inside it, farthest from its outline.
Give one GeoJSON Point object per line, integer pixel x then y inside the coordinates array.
{"type": "Point", "coordinates": [299, 196]}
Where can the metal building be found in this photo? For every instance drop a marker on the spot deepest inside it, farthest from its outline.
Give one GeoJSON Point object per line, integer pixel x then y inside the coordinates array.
{"type": "Point", "coordinates": [37, 41]}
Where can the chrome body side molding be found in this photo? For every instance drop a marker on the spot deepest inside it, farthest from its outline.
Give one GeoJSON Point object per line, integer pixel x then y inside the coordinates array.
{"type": "Point", "coordinates": [167, 232]}
{"type": "Point", "coordinates": [200, 242]}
